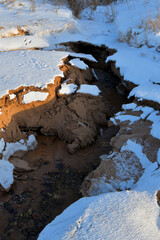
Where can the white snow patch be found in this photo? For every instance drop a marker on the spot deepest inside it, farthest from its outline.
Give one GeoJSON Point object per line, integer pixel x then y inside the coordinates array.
{"type": "Point", "coordinates": [146, 112]}
{"type": "Point", "coordinates": [129, 106]}
{"type": "Point", "coordinates": [94, 73]}
{"type": "Point", "coordinates": [142, 71]}
{"type": "Point", "coordinates": [32, 142]}
{"type": "Point", "coordinates": [3, 130]}
{"type": "Point", "coordinates": [131, 118]}
{"type": "Point", "coordinates": [89, 89]}
{"type": "Point", "coordinates": [113, 121]}
{"type": "Point", "coordinates": [6, 174]}
{"type": "Point", "coordinates": [68, 88]}
{"type": "Point", "coordinates": [2, 145]}
{"type": "Point", "coordinates": [137, 149]}
{"type": "Point", "coordinates": [11, 148]}
{"type": "Point", "coordinates": [78, 63]}
{"type": "Point", "coordinates": [82, 55]}
{"type": "Point", "coordinates": [12, 96]}
{"type": "Point", "coordinates": [6, 168]}
{"type": "Point", "coordinates": [155, 128]}
{"type": "Point", "coordinates": [34, 96]}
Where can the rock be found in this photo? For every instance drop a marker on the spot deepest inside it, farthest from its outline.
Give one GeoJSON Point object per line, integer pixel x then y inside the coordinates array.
{"type": "Point", "coordinates": [73, 147]}
{"type": "Point", "coordinates": [118, 171]}
{"type": "Point", "coordinates": [122, 169]}
{"type": "Point", "coordinates": [19, 154]}
{"type": "Point", "coordinates": [20, 164]}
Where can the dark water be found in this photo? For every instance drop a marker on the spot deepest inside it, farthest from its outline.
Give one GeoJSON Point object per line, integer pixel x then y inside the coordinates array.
{"type": "Point", "coordinates": [38, 196]}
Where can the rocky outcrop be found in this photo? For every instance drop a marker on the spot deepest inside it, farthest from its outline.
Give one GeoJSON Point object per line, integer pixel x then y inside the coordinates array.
{"type": "Point", "coordinates": [134, 148]}
{"type": "Point", "coordinates": [75, 117]}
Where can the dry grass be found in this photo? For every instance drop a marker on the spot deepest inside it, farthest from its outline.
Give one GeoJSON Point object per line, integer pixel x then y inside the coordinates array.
{"type": "Point", "coordinates": [153, 24]}
{"type": "Point", "coordinates": [78, 5]}
{"type": "Point", "coordinates": [10, 3]}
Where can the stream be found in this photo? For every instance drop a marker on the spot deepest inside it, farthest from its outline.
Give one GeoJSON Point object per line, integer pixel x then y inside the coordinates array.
{"type": "Point", "coordinates": [55, 177]}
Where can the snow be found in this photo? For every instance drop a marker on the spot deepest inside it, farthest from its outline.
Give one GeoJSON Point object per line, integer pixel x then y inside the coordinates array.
{"type": "Point", "coordinates": [138, 150]}
{"type": "Point", "coordinates": [23, 42]}
{"type": "Point", "coordinates": [135, 71]}
{"type": "Point", "coordinates": [155, 129]}
{"type": "Point", "coordinates": [78, 63]}
{"type": "Point", "coordinates": [12, 148]}
{"type": "Point", "coordinates": [6, 174]}
{"type": "Point", "coordinates": [25, 68]}
{"type": "Point", "coordinates": [82, 55]}
{"type": "Point", "coordinates": [122, 26]}
{"type": "Point", "coordinates": [89, 89]}
{"type": "Point", "coordinates": [2, 145]}
{"type": "Point", "coordinates": [121, 215]}
{"type": "Point", "coordinates": [129, 106]}
{"type": "Point", "coordinates": [31, 142]}
{"type": "Point", "coordinates": [94, 74]}
{"type": "Point", "coordinates": [12, 96]}
{"type": "Point", "coordinates": [34, 96]}
{"type": "Point", "coordinates": [123, 118]}
{"type": "Point", "coordinates": [146, 112]}
{"type": "Point", "coordinates": [8, 149]}
{"type": "Point", "coordinates": [68, 88]}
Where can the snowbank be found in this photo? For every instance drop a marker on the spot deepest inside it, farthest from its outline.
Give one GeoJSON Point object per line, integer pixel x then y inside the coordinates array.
{"type": "Point", "coordinates": [8, 149]}
{"type": "Point", "coordinates": [6, 174]}
{"type": "Point", "coordinates": [121, 215]}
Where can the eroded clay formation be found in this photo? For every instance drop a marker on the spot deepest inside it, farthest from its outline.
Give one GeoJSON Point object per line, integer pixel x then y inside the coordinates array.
{"type": "Point", "coordinates": [75, 118]}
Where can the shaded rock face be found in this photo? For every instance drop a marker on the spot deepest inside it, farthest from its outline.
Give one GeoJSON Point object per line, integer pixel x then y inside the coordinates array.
{"type": "Point", "coordinates": [119, 171]}
{"type": "Point", "coordinates": [122, 169]}
{"type": "Point", "coordinates": [74, 120]}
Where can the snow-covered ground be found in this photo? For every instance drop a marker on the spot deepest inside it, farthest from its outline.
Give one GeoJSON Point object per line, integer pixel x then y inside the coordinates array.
{"type": "Point", "coordinates": [132, 28]}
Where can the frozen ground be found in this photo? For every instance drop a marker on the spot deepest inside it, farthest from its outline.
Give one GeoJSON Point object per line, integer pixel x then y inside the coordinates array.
{"type": "Point", "coordinates": [132, 28]}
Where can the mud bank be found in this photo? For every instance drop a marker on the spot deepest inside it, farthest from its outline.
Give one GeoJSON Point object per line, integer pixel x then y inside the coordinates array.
{"type": "Point", "coordinates": [76, 117]}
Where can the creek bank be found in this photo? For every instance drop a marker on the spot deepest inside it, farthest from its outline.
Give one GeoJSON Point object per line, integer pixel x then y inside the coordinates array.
{"type": "Point", "coordinates": [75, 117]}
